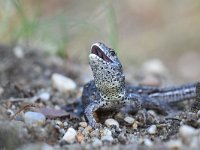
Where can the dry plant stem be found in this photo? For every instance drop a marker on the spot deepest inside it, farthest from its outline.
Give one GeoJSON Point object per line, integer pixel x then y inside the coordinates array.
{"type": "Point", "coordinates": [25, 107]}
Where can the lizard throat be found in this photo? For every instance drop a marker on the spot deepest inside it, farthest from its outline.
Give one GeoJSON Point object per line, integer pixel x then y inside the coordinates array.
{"type": "Point", "coordinates": [113, 96]}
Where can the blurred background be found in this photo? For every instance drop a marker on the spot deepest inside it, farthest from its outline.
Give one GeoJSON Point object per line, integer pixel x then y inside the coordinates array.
{"type": "Point", "coordinates": [139, 30]}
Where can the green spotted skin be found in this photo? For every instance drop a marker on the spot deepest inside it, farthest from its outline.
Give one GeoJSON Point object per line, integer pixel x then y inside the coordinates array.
{"type": "Point", "coordinates": [108, 92]}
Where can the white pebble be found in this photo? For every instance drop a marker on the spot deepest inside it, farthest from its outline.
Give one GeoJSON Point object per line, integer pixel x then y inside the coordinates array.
{"type": "Point", "coordinates": [44, 96]}
{"type": "Point", "coordinates": [106, 132]}
{"type": "Point", "coordinates": [10, 112]}
{"type": "Point", "coordinates": [175, 144]}
{"type": "Point", "coordinates": [57, 107]}
{"type": "Point", "coordinates": [62, 83]}
{"type": "Point", "coordinates": [107, 138]}
{"type": "Point", "coordinates": [58, 122]}
{"type": "Point", "coordinates": [19, 52]}
{"type": "Point", "coordinates": [96, 143]}
{"type": "Point", "coordinates": [186, 133]}
{"type": "Point", "coordinates": [106, 135]}
{"type": "Point", "coordinates": [129, 120]}
{"type": "Point", "coordinates": [62, 131]}
{"type": "Point", "coordinates": [65, 124]}
{"type": "Point", "coordinates": [34, 118]}
{"type": "Point", "coordinates": [148, 142]}
{"type": "Point", "coordinates": [152, 129]}
{"type": "Point", "coordinates": [110, 122]}
{"type": "Point", "coordinates": [83, 124]}
{"type": "Point", "coordinates": [70, 135]}
{"type": "Point", "coordinates": [154, 66]}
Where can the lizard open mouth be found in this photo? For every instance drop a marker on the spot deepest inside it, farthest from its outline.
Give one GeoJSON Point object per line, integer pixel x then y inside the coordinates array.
{"type": "Point", "coordinates": [97, 51]}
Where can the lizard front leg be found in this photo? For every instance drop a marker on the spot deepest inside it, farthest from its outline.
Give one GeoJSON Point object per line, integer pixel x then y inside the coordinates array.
{"type": "Point", "coordinates": [88, 113]}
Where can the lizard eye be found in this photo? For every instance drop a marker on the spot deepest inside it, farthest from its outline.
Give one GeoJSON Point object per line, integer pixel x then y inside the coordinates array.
{"type": "Point", "coordinates": [112, 52]}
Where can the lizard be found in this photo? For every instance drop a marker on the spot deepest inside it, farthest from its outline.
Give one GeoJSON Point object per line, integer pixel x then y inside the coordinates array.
{"type": "Point", "coordinates": [108, 91]}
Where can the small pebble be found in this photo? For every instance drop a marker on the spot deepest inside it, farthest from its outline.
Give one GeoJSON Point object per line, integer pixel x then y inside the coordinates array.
{"type": "Point", "coordinates": [57, 107]}
{"type": "Point", "coordinates": [154, 66]}
{"type": "Point", "coordinates": [44, 96]}
{"type": "Point", "coordinates": [152, 129]}
{"type": "Point", "coordinates": [62, 131]}
{"type": "Point", "coordinates": [129, 120]}
{"type": "Point", "coordinates": [13, 107]}
{"type": "Point", "coordinates": [65, 124]}
{"type": "Point", "coordinates": [96, 143]}
{"type": "Point", "coordinates": [86, 131]}
{"type": "Point", "coordinates": [62, 83]}
{"type": "Point", "coordinates": [83, 124]}
{"type": "Point", "coordinates": [58, 122]}
{"type": "Point", "coordinates": [34, 118]}
{"type": "Point", "coordinates": [174, 144]}
{"type": "Point", "coordinates": [106, 131]}
{"type": "Point", "coordinates": [80, 137]}
{"type": "Point", "coordinates": [10, 112]}
{"type": "Point", "coordinates": [106, 135]}
{"type": "Point", "coordinates": [70, 135]}
{"type": "Point", "coordinates": [122, 138]}
{"type": "Point", "coordinates": [89, 128]}
{"type": "Point", "coordinates": [19, 52]}
{"type": "Point", "coordinates": [95, 133]}
{"type": "Point", "coordinates": [81, 129]}
{"type": "Point", "coordinates": [57, 127]}
{"type": "Point", "coordinates": [107, 138]}
{"type": "Point", "coordinates": [148, 142]}
{"type": "Point", "coordinates": [135, 125]}
{"type": "Point", "coordinates": [110, 122]}
{"type": "Point", "coordinates": [186, 133]}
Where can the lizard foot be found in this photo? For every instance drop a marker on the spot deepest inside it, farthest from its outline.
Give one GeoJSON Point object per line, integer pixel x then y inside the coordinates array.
{"type": "Point", "coordinates": [161, 107]}
{"type": "Point", "coordinates": [95, 125]}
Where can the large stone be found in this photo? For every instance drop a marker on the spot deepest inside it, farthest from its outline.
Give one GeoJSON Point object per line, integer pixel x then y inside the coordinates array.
{"type": "Point", "coordinates": [62, 83]}
{"type": "Point", "coordinates": [70, 135]}
{"type": "Point", "coordinates": [34, 118]}
{"type": "Point", "coordinates": [110, 122]}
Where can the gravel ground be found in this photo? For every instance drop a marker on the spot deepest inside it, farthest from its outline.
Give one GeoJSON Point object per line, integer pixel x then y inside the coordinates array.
{"type": "Point", "coordinates": [41, 109]}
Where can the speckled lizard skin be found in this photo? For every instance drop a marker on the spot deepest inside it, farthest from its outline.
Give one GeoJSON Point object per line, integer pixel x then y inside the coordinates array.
{"type": "Point", "coordinates": [108, 92]}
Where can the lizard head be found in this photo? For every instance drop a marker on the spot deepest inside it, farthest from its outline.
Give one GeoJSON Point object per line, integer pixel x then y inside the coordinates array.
{"type": "Point", "coordinates": [107, 71]}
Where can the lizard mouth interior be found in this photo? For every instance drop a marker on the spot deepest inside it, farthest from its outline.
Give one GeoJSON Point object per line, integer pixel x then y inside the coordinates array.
{"type": "Point", "coordinates": [97, 51]}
